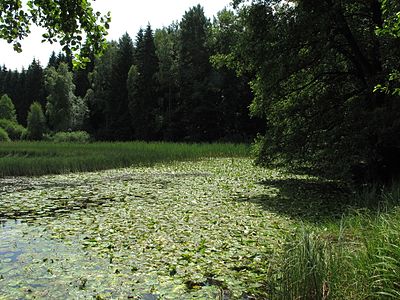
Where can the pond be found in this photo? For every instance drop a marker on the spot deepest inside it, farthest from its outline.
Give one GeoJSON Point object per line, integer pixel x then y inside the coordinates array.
{"type": "Point", "coordinates": [163, 232]}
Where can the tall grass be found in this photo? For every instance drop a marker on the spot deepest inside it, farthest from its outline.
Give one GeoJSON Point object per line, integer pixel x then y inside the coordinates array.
{"type": "Point", "coordinates": [356, 259]}
{"type": "Point", "coordinates": [304, 271]}
{"type": "Point", "coordinates": [38, 158]}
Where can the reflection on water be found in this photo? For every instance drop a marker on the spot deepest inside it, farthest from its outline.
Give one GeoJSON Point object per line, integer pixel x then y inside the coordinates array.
{"type": "Point", "coordinates": [9, 248]}
{"type": "Point", "coordinates": [32, 265]}
{"type": "Point", "coordinates": [35, 266]}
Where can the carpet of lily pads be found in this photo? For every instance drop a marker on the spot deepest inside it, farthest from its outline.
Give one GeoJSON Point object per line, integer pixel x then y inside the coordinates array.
{"type": "Point", "coordinates": [182, 230]}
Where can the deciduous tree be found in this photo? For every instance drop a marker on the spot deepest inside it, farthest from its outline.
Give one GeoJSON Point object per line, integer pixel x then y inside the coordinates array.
{"type": "Point", "coordinates": [7, 109]}
{"type": "Point", "coordinates": [69, 22]}
{"type": "Point", "coordinates": [36, 122]}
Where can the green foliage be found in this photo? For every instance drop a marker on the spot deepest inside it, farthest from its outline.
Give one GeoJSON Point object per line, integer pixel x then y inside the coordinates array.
{"type": "Point", "coordinates": [99, 96]}
{"type": "Point", "coordinates": [36, 122]}
{"type": "Point", "coordinates": [67, 22]}
{"type": "Point", "coordinates": [4, 136]}
{"type": "Point", "coordinates": [315, 66]}
{"type": "Point", "coordinates": [69, 137]}
{"type": "Point", "coordinates": [79, 112]}
{"type": "Point", "coordinates": [7, 109]}
{"type": "Point", "coordinates": [23, 87]}
{"type": "Point", "coordinates": [64, 110]}
{"type": "Point", "coordinates": [390, 28]}
{"type": "Point", "coordinates": [34, 90]}
{"type": "Point", "coordinates": [14, 130]}
{"type": "Point", "coordinates": [167, 49]}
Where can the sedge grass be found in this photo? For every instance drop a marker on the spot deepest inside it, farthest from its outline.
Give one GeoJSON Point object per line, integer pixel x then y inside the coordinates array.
{"type": "Point", "coordinates": [39, 158]}
{"type": "Point", "coordinates": [359, 258]}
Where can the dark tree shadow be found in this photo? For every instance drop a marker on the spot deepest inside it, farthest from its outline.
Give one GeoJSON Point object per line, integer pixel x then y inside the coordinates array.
{"type": "Point", "coordinates": [304, 199]}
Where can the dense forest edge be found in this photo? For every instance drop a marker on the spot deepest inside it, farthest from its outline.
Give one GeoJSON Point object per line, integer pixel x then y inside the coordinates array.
{"type": "Point", "coordinates": [322, 89]}
{"type": "Point", "coordinates": [314, 86]}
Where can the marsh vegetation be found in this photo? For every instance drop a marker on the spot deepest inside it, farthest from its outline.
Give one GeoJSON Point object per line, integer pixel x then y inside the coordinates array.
{"type": "Point", "coordinates": [198, 226]}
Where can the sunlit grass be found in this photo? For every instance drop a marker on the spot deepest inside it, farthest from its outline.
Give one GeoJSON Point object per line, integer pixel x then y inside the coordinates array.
{"type": "Point", "coordinates": [39, 158]}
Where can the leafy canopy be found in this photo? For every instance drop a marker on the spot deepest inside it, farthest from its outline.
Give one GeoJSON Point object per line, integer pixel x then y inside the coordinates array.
{"type": "Point", "coordinates": [315, 65]}
{"type": "Point", "coordinates": [74, 24]}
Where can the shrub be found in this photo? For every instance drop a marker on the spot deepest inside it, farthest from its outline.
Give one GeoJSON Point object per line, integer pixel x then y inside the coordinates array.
{"type": "Point", "coordinates": [73, 136]}
{"type": "Point", "coordinates": [36, 122]}
{"type": "Point", "coordinates": [4, 136]}
{"type": "Point", "coordinates": [14, 130]}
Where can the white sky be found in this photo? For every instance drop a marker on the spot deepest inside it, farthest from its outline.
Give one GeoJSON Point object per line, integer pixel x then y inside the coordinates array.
{"type": "Point", "coordinates": [127, 16]}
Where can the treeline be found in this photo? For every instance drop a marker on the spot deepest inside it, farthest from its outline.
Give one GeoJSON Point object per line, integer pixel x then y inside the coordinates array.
{"type": "Point", "coordinates": [158, 86]}
{"type": "Point", "coordinates": [324, 75]}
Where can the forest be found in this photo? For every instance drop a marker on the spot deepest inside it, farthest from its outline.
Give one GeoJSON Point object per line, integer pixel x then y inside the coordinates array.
{"type": "Point", "coordinates": [161, 86]}
{"type": "Point", "coordinates": [260, 154]}
{"type": "Point", "coordinates": [320, 79]}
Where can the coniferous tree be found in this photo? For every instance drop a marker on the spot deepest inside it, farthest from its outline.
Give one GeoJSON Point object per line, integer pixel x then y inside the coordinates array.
{"type": "Point", "coordinates": [11, 84]}
{"type": "Point", "coordinates": [56, 59]}
{"type": "Point", "coordinates": [20, 97]}
{"type": "Point", "coordinates": [52, 60]}
{"type": "Point", "coordinates": [199, 100]}
{"type": "Point", "coordinates": [81, 75]}
{"type": "Point", "coordinates": [143, 88]}
{"type": "Point", "coordinates": [117, 114]}
{"type": "Point", "coordinates": [3, 74]}
{"type": "Point", "coordinates": [33, 89]}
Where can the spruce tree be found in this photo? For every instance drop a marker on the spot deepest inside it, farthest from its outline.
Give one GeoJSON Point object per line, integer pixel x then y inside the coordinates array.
{"type": "Point", "coordinates": [143, 88]}
{"type": "Point", "coordinates": [117, 114]}
{"type": "Point", "coordinates": [199, 100]}
{"type": "Point", "coordinates": [33, 89]}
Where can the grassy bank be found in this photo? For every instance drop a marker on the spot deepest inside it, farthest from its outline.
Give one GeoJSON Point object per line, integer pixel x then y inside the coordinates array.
{"type": "Point", "coordinates": [357, 257]}
{"type": "Point", "coordinates": [39, 158]}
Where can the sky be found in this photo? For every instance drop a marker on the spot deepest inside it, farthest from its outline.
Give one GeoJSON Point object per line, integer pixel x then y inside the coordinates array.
{"type": "Point", "coordinates": [127, 16]}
